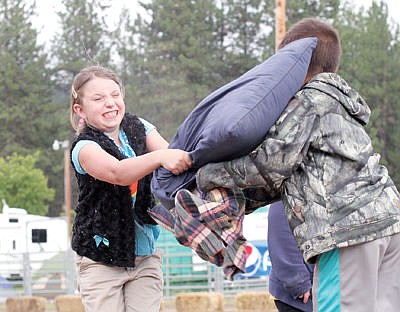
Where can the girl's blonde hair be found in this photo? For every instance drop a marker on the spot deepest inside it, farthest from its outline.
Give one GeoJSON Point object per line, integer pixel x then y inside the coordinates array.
{"type": "Point", "coordinates": [84, 76]}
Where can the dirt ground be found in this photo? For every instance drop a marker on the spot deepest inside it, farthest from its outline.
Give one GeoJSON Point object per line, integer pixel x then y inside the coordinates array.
{"type": "Point", "coordinates": [168, 307]}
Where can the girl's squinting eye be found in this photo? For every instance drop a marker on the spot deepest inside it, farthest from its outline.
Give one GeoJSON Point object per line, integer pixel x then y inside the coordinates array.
{"type": "Point", "coordinates": [97, 98]}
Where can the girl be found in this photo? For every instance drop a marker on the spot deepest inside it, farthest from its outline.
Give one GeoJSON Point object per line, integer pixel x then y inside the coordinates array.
{"type": "Point", "coordinates": [113, 157]}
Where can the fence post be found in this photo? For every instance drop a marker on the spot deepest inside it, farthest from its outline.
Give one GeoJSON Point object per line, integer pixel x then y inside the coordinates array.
{"type": "Point", "coordinates": [27, 274]}
{"type": "Point", "coordinates": [219, 280]}
{"type": "Point", "coordinates": [69, 271]}
{"type": "Point", "coordinates": [167, 268]}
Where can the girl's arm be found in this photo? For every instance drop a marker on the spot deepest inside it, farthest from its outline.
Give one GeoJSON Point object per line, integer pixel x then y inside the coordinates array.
{"type": "Point", "coordinates": [103, 166]}
{"type": "Point", "coordinates": [154, 141]}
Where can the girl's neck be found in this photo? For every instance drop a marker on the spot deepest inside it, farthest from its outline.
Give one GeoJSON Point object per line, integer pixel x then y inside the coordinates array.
{"type": "Point", "coordinates": [114, 135]}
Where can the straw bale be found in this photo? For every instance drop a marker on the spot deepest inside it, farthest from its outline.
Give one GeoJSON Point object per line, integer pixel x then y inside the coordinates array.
{"type": "Point", "coordinates": [257, 301]}
{"type": "Point", "coordinates": [199, 302]}
{"type": "Point", "coordinates": [69, 303]}
{"type": "Point", "coordinates": [26, 304]}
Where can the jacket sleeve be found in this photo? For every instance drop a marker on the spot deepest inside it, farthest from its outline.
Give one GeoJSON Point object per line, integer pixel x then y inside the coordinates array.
{"type": "Point", "coordinates": [281, 153]}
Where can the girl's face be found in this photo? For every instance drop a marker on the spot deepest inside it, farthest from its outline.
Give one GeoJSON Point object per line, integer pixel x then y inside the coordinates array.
{"type": "Point", "coordinates": [102, 105]}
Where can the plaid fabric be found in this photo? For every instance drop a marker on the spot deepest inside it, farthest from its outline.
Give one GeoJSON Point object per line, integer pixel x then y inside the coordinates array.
{"type": "Point", "coordinates": [210, 224]}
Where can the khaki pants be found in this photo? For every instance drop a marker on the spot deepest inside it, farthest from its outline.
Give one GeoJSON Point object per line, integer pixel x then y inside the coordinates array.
{"type": "Point", "coordinates": [110, 288]}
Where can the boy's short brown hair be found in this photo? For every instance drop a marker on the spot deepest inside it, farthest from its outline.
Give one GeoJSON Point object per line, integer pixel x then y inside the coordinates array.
{"type": "Point", "coordinates": [326, 56]}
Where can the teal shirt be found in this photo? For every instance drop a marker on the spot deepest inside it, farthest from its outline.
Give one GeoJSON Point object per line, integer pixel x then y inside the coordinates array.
{"type": "Point", "coordinates": [147, 234]}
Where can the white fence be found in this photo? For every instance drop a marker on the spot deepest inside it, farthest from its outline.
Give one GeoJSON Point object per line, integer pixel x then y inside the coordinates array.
{"type": "Point", "coordinates": [182, 273]}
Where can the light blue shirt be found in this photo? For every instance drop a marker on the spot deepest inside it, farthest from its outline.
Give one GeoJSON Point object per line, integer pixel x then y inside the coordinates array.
{"type": "Point", "coordinates": [147, 234]}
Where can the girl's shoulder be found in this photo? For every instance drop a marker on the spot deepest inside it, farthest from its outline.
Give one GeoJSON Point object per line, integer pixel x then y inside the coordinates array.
{"type": "Point", "coordinates": [147, 125]}
{"type": "Point", "coordinates": [75, 154]}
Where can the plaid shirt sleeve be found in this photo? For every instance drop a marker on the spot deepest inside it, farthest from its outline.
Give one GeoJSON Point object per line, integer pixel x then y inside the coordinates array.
{"type": "Point", "coordinates": [211, 224]}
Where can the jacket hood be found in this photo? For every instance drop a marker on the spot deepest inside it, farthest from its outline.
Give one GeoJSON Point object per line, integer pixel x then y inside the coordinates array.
{"type": "Point", "coordinates": [342, 92]}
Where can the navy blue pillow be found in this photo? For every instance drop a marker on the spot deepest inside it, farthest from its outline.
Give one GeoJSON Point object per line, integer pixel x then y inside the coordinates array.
{"type": "Point", "coordinates": [235, 118]}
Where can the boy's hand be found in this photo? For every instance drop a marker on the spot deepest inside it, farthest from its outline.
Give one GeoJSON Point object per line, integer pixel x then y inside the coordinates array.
{"type": "Point", "coordinates": [305, 296]}
{"type": "Point", "coordinates": [237, 174]}
{"type": "Point", "coordinates": [214, 175]}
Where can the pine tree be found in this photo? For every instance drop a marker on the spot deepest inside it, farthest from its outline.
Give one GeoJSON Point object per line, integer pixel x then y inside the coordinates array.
{"type": "Point", "coordinates": [168, 60]}
{"type": "Point", "coordinates": [27, 110]}
{"type": "Point", "coordinates": [371, 63]}
{"type": "Point", "coordinates": [84, 39]}
{"type": "Point", "coordinates": [245, 34]}
{"type": "Point", "coordinates": [182, 52]}
{"type": "Point", "coordinates": [295, 11]}
{"type": "Point", "coordinates": [25, 92]}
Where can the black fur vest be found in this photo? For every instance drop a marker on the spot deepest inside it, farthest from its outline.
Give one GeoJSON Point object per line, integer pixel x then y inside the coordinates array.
{"type": "Point", "coordinates": [105, 209]}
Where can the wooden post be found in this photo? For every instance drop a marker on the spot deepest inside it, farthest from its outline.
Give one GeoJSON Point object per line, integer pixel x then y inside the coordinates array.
{"type": "Point", "coordinates": [67, 179]}
{"type": "Point", "coordinates": [67, 186]}
{"type": "Point", "coordinates": [280, 21]}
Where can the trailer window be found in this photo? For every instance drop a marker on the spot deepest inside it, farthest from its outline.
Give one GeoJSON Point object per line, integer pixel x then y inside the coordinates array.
{"type": "Point", "coordinates": [39, 236]}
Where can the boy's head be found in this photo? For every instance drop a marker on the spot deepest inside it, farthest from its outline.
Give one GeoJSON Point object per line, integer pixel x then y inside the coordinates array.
{"type": "Point", "coordinates": [326, 56]}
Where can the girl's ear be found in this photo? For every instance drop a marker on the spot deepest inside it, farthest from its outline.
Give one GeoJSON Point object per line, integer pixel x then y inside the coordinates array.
{"type": "Point", "coordinates": [78, 109]}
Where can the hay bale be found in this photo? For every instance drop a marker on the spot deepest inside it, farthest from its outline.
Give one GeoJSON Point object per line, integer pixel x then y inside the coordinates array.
{"type": "Point", "coordinates": [69, 303]}
{"type": "Point", "coordinates": [257, 301]}
{"type": "Point", "coordinates": [26, 303]}
{"type": "Point", "coordinates": [199, 302]}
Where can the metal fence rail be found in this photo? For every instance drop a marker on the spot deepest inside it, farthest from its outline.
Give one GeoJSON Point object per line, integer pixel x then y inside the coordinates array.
{"type": "Point", "coordinates": [182, 272]}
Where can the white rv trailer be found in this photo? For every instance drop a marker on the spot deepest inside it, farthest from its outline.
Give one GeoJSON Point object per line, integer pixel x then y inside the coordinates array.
{"type": "Point", "coordinates": [37, 236]}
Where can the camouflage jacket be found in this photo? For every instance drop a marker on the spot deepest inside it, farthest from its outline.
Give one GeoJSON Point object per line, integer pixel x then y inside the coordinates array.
{"type": "Point", "coordinates": [319, 159]}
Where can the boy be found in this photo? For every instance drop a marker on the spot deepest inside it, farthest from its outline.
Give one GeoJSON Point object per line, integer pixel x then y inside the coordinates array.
{"type": "Point", "coordinates": [341, 204]}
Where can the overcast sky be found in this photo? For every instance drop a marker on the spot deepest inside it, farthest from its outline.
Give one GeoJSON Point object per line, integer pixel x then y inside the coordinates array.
{"type": "Point", "coordinates": [47, 19]}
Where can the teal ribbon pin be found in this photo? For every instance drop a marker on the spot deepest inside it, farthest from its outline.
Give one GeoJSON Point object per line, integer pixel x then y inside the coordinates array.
{"type": "Point", "coordinates": [98, 239]}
